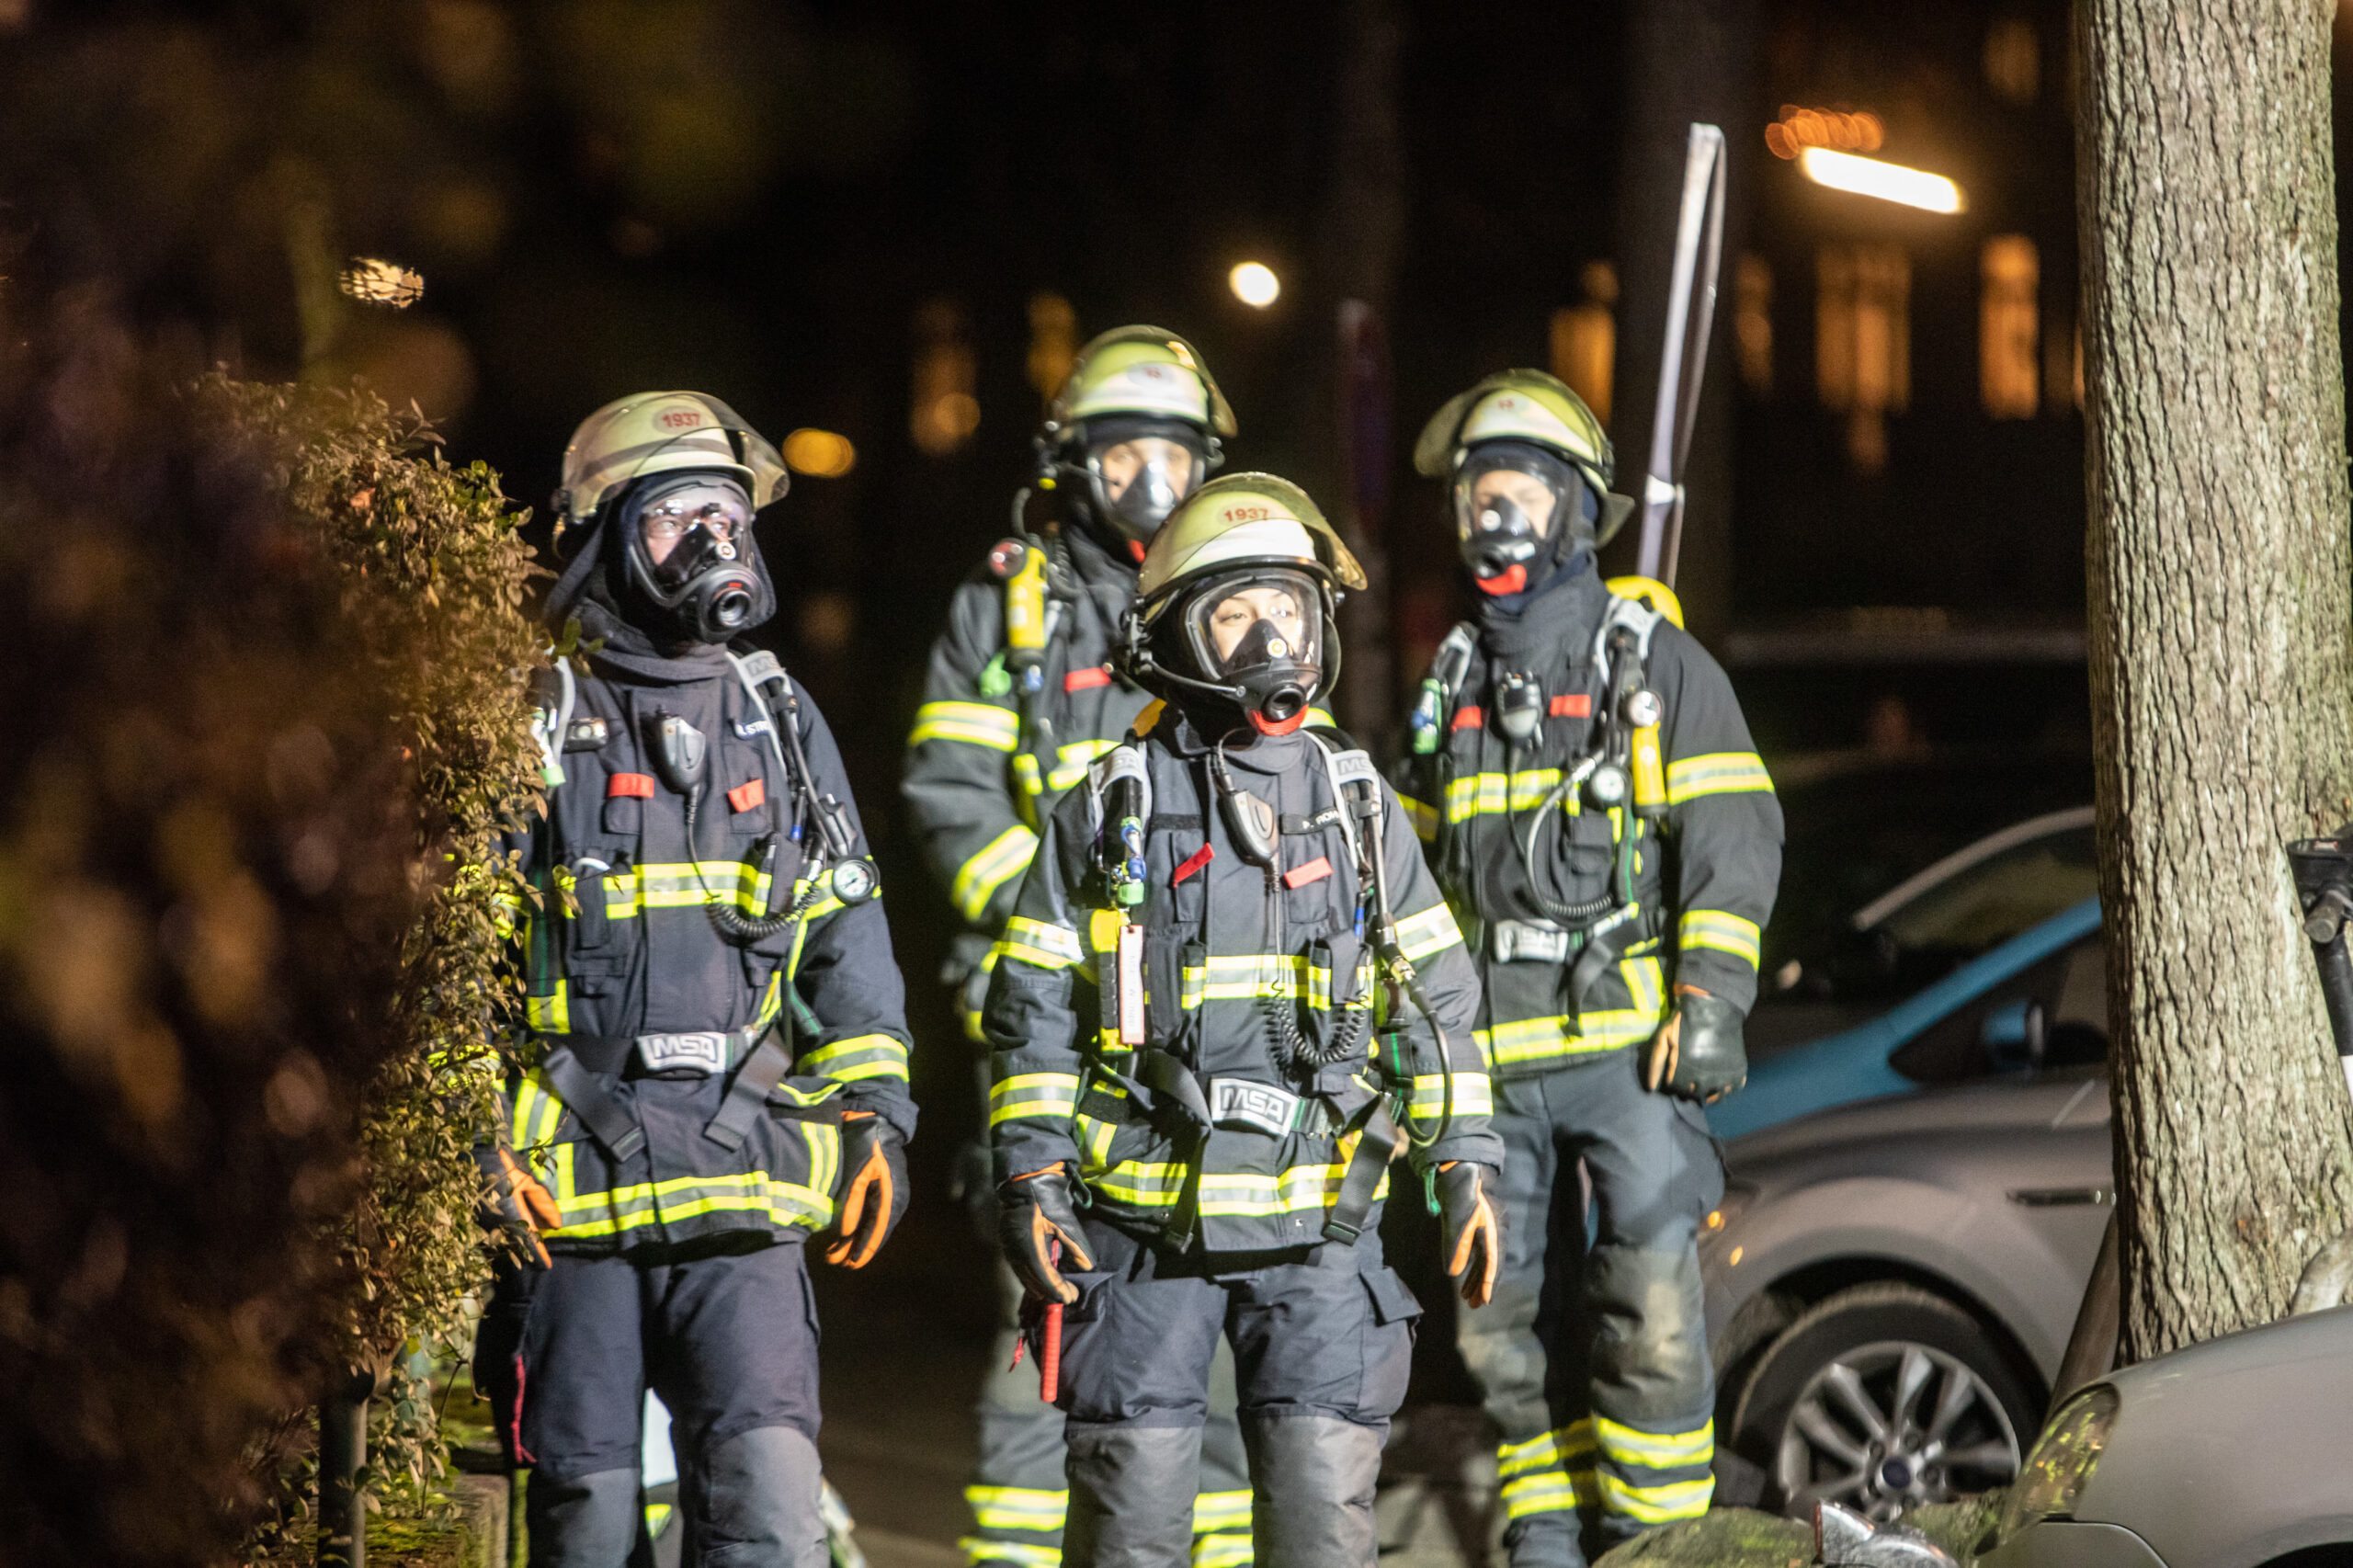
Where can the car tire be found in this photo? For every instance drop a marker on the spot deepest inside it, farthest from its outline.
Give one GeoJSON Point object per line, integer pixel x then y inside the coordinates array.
{"type": "Point", "coordinates": [1820, 1413]}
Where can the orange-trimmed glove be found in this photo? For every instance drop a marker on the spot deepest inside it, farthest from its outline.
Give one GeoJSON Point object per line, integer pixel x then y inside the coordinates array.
{"type": "Point", "coordinates": [1700, 1054]}
{"type": "Point", "coordinates": [1471, 1212]}
{"type": "Point", "coordinates": [1033, 1211]}
{"type": "Point", "coordinates": [874, 1188]}
{"type": "Point", "coordinates": [513, 1202]}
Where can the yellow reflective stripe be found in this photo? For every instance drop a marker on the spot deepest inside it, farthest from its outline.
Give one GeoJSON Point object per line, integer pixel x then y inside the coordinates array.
{"type": "Point", "coordinates": [979, 877]}
{"type": "Point", "coordinates": [1431, 931]}
{"type": "Point", "coordinates": [684, 885]}
{"type": "Point", "coordinates": [1548, 1492]}
{"type": "Point", "coordinates": [618, 1210]}
{"type": "Point", "coordinates": [1246, 1194]}
{"type": "Point", "coordinates": [1715, 773]}
{"type": "Point", "coordinates": [1145, 1184]}
{"type": "Point", "coordinates": [1040, 943]}
{"type": "Point", "coordinates": [551, 1014]}
{"type": "Point", "coordinates": [1660, 1450]}
{"type": "Point", "coordinates": [1482, 794]}
{"type": "Point", "coordinates": [1657, 1505]}
{"type": "Point", "coordinates": [860, 1056]}
{"type": "Point", "coordinates": [1537, 1039]}
{"type": "Point", "coordinates": [1545, 1450]}
{"type": "Point", "coordinates": [1724, 932]}
{"type": "Point", "coordinates": [1221, 1511]}
{"type": "Point", "coordinates": [1474, 1094]}
{"type": "Point", "coordinates": [1548, 1473]}
{"type": "Point", "coordinates": [1016, 1508]}
{"type": "Point", "coordinates": [974, 723]}
{"type": "Point", "coordinates": [978, 1550]}
{"type": "Point", "coordinates": [1033, 1093]}
{"type": "Point", "coordinates": [1240, 977]}
{"type": "Point", "coordinates": [1224, 1549]}
{"type": "Point", "coordinates": [1073, 760]}
{"type": "Point", "coordinates": [1424, 818]}
{"type": "Point", "coordinates": [1322, 717]}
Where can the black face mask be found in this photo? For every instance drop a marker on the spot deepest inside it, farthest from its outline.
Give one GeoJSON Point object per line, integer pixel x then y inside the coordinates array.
{"type": "Point", "coordinates": [1501, 537]}
{"type": "Point", "coordinates": [708, 589]}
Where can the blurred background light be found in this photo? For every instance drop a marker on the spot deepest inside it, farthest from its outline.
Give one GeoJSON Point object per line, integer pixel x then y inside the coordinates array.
{"type": "Point", "coordinates": [820, 454]}
{"type": "Point", "coordinates": [1799, 128]}
{"type": "Point", "coordinates": [381, 283]}
{"type": "Point", "coordinates": [1888, 182]}
{"type": "Point", "coordinates": [1254, 284]}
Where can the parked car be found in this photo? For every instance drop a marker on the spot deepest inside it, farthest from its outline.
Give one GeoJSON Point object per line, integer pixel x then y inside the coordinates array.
{"type": "Point", "coordinates": [1915, 1197]}
{"type": "Point", "coordinates": [2229, 1454]}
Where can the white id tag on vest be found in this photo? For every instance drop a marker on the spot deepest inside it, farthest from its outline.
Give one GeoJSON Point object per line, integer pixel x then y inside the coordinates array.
{"type": "Point", "coordinates": [1261, 1108]}
{"type": "Point", "coordinates": [1130, 982]}
{"type": "Point", "coordinates": [703, 1053]}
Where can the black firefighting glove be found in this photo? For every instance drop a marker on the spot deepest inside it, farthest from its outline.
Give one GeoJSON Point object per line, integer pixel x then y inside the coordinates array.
{"type": "Point", "coordinates": [1033, 1212]}
{"type": "Point", "coordinates": [1698, 1054]}
{"type": "Point", "coordinates": [515, 1203]}
{"type": "Point", "coordinates": [1472, 1211]}
{"type": "Point", "coordinates": [873, 1188]}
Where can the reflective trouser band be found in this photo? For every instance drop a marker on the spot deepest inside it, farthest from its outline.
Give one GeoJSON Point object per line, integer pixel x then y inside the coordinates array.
{"type": "Point", "coordinates": [1649, 1477]}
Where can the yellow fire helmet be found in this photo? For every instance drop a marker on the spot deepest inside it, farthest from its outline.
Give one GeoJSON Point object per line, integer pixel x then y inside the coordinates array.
{"type": "Point", "coordinates": [1244, 519]}
{"type": "Point", "coordinates": [1530, 406]}
{"type": "Point", "coordinates": [1143, 370]}
{"type": "Point", "coordinates": [660, 432]}
{"type": "Point", "coordinates": [1236, 600]}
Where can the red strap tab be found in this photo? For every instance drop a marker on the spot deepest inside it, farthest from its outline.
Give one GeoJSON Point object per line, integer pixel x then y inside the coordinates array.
{"type": "Point", "coordinates": [1579, 706]}
{"type": "Point", "coordinates": [744, 796]}
{"type": "Point", "coordinates": [1470, 718]}
{"type": "Point", "coordinates": [639, 785]}
{"type": "Point", "coordinates": [1088, 679]}
{"type": "Point", "coordinates": [1193, 862]}
{"type": "Point", "coordinates": [1315, 870]}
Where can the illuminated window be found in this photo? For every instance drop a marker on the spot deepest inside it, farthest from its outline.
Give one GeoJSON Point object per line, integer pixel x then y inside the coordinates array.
{"type": "Point", "coordinates": [1584, 339]}
{"type": "Point", "coordinates": [943, 412]}
{"type": "Point", "coordinates": [2014, 59]}
{"type": "Point", "coordinates": [1862, 342]}
{"type": "Point", "coordinates": [1053, 343]}
{"type": "Point", "coordinates": [2007, 320]}
{"type": "Point", "coordinates": [1752, 322]}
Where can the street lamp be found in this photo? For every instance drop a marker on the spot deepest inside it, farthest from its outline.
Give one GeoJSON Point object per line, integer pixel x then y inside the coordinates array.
{"type": "Point", "coordinates": [1254, 284]}
{"type": "Point", "coordinates": [1874, 176]}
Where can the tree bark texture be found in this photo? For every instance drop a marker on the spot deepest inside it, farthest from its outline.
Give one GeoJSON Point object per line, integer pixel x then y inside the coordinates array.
{"type": "Point", "coordinates": [2221, 638]}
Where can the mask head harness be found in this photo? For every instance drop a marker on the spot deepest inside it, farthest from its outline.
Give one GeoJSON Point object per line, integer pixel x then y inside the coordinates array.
{"type": "Point", "coordinates": [1518, 510]}
{"type": "Point", "coordinates": [709, 583]}
{"type": "Point", "coordinates": [1236, 605]}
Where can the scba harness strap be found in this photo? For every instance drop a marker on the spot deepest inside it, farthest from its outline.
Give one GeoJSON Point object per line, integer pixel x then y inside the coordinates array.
{"type": "Point", "coordinates": [1166, 1089]}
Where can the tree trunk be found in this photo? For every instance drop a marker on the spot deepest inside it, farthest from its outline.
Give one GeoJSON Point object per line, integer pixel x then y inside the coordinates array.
{"type": "Point", "coordinates": [2221, 611]}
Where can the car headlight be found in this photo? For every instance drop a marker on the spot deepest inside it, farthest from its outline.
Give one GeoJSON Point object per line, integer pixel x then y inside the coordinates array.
{"type": "Point", "coordinates": [2061, 1461]}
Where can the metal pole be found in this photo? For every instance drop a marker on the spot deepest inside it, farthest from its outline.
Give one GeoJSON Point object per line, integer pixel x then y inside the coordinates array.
{"type": "Point", "coordinates": [343, 1449]}
{"type": "Point", "coordinates": [1682, 357]}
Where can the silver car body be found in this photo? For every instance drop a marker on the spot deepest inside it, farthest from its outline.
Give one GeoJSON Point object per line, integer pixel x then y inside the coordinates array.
{"type": "Point", "coordinates": [1993, 1193]}
{"type": "Point", "coordinates": [2225, 1455]}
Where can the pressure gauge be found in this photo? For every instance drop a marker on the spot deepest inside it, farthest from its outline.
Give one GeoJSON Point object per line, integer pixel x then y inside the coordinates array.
{"type": "Point", "coordinates": [855, 881]}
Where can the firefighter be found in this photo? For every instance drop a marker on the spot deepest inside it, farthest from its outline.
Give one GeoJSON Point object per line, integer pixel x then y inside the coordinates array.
{"type": "Point", "coordinates": [1598, 815]}
{"type": "Point", "coordinates": [1021, 697]}
{"type": "Point", "coordinates": [1228, 994]}
{"type": "Point", "coordinates": [722, 1058]}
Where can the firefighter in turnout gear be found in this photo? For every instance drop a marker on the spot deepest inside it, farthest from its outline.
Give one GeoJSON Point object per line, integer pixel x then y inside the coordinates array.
{"type": "Point", "coordinates": [722, 1054]}
{"type": "Point", "coordinates": [1228, 995]}
{"type": "Point", "coordinates": [1021, 698]}
{"type": "Point", "coordinates": [1598, 817]}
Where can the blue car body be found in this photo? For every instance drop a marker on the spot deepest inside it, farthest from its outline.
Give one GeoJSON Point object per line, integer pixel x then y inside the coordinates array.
{"type": "Point", "coordinates": [1852, 1064]}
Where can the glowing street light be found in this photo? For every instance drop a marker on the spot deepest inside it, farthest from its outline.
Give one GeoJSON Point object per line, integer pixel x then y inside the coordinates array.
{"type": "Point", "coordinates": [1888, 182]}
{"type": "Point", "coordinates": [1254, 284]}
{"type": "Point", "coordinates": [820, 453]}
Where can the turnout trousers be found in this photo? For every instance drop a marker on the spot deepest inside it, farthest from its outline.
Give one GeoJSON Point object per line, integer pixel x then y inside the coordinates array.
{"type": "Point", "coordinates": [1594, 1353]}
{"type": "Point", "coordinates": [1323, 1345]}
{"type": "Point", "coordinates": [1017, 1493]}
{"type": "Point", "coordinates": [729, 1340]}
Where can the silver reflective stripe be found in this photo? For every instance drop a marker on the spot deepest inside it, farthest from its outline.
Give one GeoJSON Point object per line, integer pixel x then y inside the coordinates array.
{"type": "Point", "coordinates": [1261, 1108]}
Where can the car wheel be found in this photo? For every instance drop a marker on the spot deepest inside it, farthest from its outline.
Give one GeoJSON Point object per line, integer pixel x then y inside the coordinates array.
{"type": "Point", "coordinates": [1883, 1397]}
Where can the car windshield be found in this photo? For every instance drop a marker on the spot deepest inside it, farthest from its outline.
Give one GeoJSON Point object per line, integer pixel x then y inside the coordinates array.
{"type": "Point", "coordinates": [1934, 930]}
